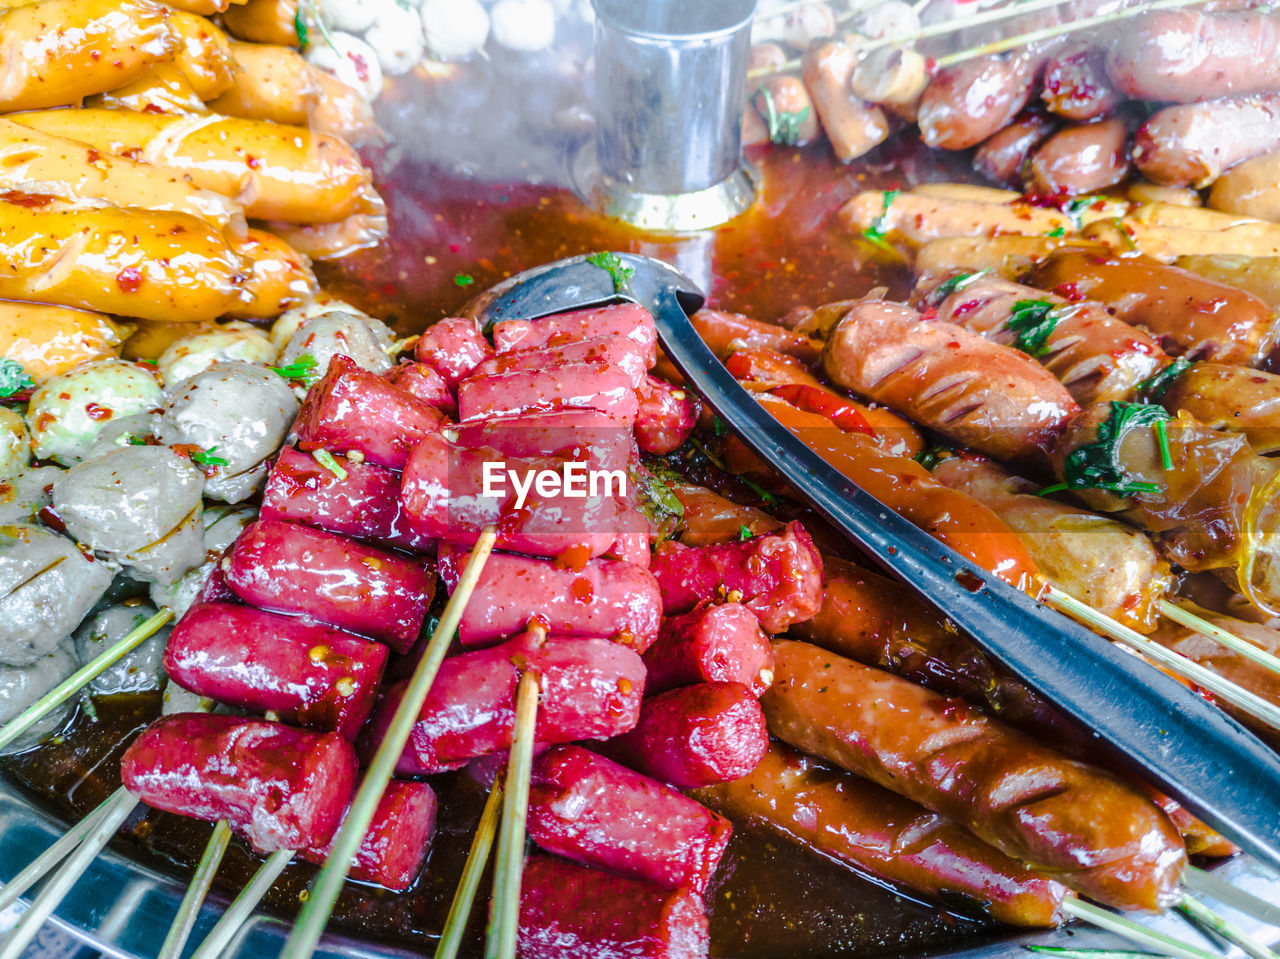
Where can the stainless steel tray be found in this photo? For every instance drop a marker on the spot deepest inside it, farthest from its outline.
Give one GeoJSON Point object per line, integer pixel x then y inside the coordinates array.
{"type": "Point", "coordinates": [124, 908]}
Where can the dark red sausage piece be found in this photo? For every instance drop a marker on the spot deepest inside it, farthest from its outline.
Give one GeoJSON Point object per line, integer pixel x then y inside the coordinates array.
{"type": "Point", "coordinates": [398, 839]}
{"type": "Point", "coordinates": [364, 504]}
{"type": "Point", "coordinates": [628, 319]}
{"type": "Point", "coordinates": [444, 492]}
{"type": "Point", "coordinates": [666, 417]}
{"type": "Point", "coordinates": [281, 787]}
{"type": "Point", "coordinates": [575, 386]}
{"type": "Point", "coordinates": [698, 735]}
{"type": "Point", "coordinates": [422, 381]}
{"type": "Point", "coordinates": [604, 598]}
{"type": "Point", "coordinates": [1076, 84]}
{"type": "Point", "coordinates": [453, 348]}
{"type": "Point", "coordinates": [619, 352]}
{"type": "Point", "coordinates": [304, 672]}
{"type": "Point", "coordinates": [1081, 159]}
{"type": "Point", "coordinates": [589, 436]}
{"type": "Point", "coordinates": [569, 911]}
{"type": "Point", "coordinates": [778, 577]}
{"type": "Point", "coordinates": [591, 689]}
{"type": "Point", "coordinates": [711, 644]}
{"type": "Point", "coordinates": [1001, 156]}
{"type": "Point", "coordinates": [590, 809]}
{"type": "Point", "coordinates": [353, 410]}
{"type": "Point", "coordinates": [296, 569]}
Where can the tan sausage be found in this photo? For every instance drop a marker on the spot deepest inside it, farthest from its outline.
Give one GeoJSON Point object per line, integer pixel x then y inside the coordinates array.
{"type": "Point", "coordinates": [1259, 275]}
{"type": "Point", "coordinates": [47, 341]}
{"type": "Point", "coordinates": [158, 266]}
{"type": "Point", "coordinates": [162, 89]}
{"type": "Point", "coordinates": [1007, 257]}
{"type": "Point", "coordinates": [280, 277]}
{"type": "Point", "coordinates": [1167, 243]}
{"type": "Point", "coordinates": [1228, 397]}
{"type": "Point", "coordinates": [264, 21]}
{"type": "Point", "coordinates": [1064, 818]}
{"type": "Point", "coordinates": [35, 162]}
{"type": "Point", "coordinates": [57, 52]}
{"type": "Point", "coordinates": [852, 125]}
{"type": "Point", "coordinates": [276, 172]}
{"type": "Point", "coordinates": [202, 7]}
{"type": "Point", "coordinates": [333, 241]}
{"type": "Point", "coordinates": [1251, 188]}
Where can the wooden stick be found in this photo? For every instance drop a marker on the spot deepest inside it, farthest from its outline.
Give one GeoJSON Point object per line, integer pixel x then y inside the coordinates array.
{"type": "Point", "coordinates": [1206, 917]}
{"type": "Point", "coordinates": [1224, 689]}
{"type": "Point", "coordinates": [77, 680]}
{"type": "Point", "coordinates": [57, 852]}
{"type": "Point", "coordinates": [1237, 899]}
{"type": "Point", "coordinates": [115, 811]}
{"type": "Point", "coordinates": [243, 905]}
{"type": "Point", "coordinates": [307, 930]}
{"type": "Point", "coordinates": [197, 889]}
{"type": "Point", "coordinates": [455, 925]}
{"type": "Point", "coordinates": [1084, 23]}
{"type": "Point", "coordinates": [1127, 928]}
{"type": "Point", "coordinates": [961, 23]}
{"type": "Point", "coordinates": [504, 910]}
{"type": "Point", "coordinates": [1234, 643]}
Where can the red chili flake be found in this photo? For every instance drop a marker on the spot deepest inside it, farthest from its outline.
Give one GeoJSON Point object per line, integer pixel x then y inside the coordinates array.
{"type": "Point", "coordinates": [51, 519]}
{"type": "Point", "coordinates": [133, 153]}
{"type": "Point", "coordinates": [574, 558]}
{"type": "Point", "coordinates": [93, 156]}
{"type": "Point", "coordinates": [252, 162]}
{"type": "Point", "coordinates": [152, 108]}
{"type": "Point", "coordinates": [31, 200]}
{"type": "Point", "coordinates": [129, 279]}
{"type": "Point", "coordinates": [581, 590]}
{"type": "Point", "coordinates": [96, 411]}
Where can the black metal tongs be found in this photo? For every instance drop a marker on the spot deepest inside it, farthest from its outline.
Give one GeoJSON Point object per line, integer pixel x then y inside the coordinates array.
{"type": "Point", "coordinates": [1205, 760]}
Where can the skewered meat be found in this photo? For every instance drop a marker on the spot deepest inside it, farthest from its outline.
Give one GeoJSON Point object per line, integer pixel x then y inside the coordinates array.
{"type": "Point", "coordinates": [711, 644]}
{"type": "Point", "coordinates": [139, 670]}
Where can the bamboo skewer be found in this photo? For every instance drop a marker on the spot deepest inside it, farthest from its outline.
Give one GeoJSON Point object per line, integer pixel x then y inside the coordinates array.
{"type": "Point", "coordinates": [77, 680]}
{"type": "Point", "coordinates": [504, 916]}
{"type": "Point", "coordinates": [1105, 919]}
{"type": "Point", "coordinates": [1234, 643]}
{"type": "Point", "coordinates": [197, 890]}
{"type": "Point", "coordinates": [1239, 900]}
{"type": "Point", "coordinates": [47, 860]}
{"type": "Point", "coordinates": [328, 883]}
{"type": "Point", "coordinates": [455, 924]}
{"type": "Point", "coordinates": [1203, 915]}
{"type": "Point", "coordinates": [243, 905]}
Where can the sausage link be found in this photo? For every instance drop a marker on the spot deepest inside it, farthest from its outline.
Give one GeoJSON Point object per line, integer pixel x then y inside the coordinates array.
{"type": "Point", "coordinates": [711, 644]}
{"type": "Point", "coordinates": [1082, 159]}
{"type": "Point", "coordinates": [666, 417]}
{"type": "Point", "coordinates": [1251, 188]}
{"type": "Point", "coordinates": [276, 172]}
{"type": "Point", "coordinates": [710, 518]}
{"type": "Point", "coordinates": [852, 125]}
{"type": "Point", "coordinates": [1191, 315]}
{"type": "Point", "coordinates": [280, 278]}
{"type": "Point", "coordinates": [1001, 156]}
{"type": "Point", "coordinates": [727, 333]}
{"type": "Point", "coordinates": [881, 833]}
{"type": "Point", "coordinates": [981, 394]}
{"type": "Point", "coordinates": [263, 21]}
{"type": "Point", "coordinates": [1192, 144]}
{"type": "Point", "coordinates": [1234, 398]}
{"type": "Point", "coordinates": [1076, 84]}
{"type": "Point", "coordinates": [454, 348]}
{"type": "Point", "coordinates": [969, 102]}
{"type": "Point", "coordinates": [1065, 819]}
{"type": "Point", "coordinates": [334, 241]}
{"type": "Point", "coordinates": [48, 341]}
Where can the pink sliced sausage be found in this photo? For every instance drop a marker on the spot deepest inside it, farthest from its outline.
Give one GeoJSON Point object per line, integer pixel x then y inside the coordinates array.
{"type": "Point", "coordinates": [397, 841]}
{"type": "Point", "coordinates": [577, 386]}
{"type": "Point", "coordinates": [619, 352]}
{"type": "Point", "coordinates": [444, 491]}
{"type": "Point", "coordinates": [306, 673]}
{"type": "Point", "coordinates": [711, 644]}
{"type": "Point", "coordinates": [329, 578]}
{"type": "Point", "coordinates": [625, 319]}
{"type": "Point", "coordinates": [453, 348]}
{"type": "Point", "coordinates": [569, 911]}
{"type": "Point", "coordinates": [698, 735]}
{"type": "Point", "coordinates": [592, 810]}
{"type": "Point", "coordinates": [282, 788]}
{"type": "Point", "coordinates": [588, 436]}
{"type": "Point", "coordinates": [591, 689]}
{"type": "Point", "coordinates": [604, 598]}
{"type": "Point", "coordinates": [666, 417]}
{"type": "Point", "coordinates": [352, 409]}
{"type": "Point", "coordinates": [422, 381]}
{"type": "Point", "coordinates": [778, 577]}
{"type": "Point", "coordinates": [365, 504]}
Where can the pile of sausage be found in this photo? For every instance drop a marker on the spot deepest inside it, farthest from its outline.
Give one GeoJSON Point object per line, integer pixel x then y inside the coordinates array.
{"type": "Point", "coordinates": [1175, 94]}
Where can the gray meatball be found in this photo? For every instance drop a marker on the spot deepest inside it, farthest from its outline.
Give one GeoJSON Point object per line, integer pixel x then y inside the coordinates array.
{"type": "Point", "coordinates": [360, 337]}
{"type": "Point", "coordinates": [68, 412]}
{"type": "Point", "coordinates": [47, 585]}
{"type": "Point", "coordinates": [140, 505]}
{"type": "Point", "coordinates": [138, 671]}
{"type": "Point", "coordinates": [237, 412]}
{"type": "Point", "coordinates": [24, 495]}
{"type": "Point", "coordinates": [222, 524]}
{"type": "Point", "coordinates": [20, 686]}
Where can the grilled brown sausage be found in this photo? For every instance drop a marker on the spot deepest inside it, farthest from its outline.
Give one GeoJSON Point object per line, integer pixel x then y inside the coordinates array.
{"type": "Point", "coordinates": [1082, 159]}
{"type": "Point", "coordinates": [1192, 144]}
{"type": "Point", "coordinates": [1191, 315]}
{"type": "Point", "coordinates": [1252, 188]}
{"type": "Point", "coordinates": [1066, 819]}
{"type": "Point", "coordinates": [1076, 85]}
{"type": "Point", "coordinates": [968, 102]}
{"type": "Point", "coordinates": [1228, 397]}
{"type": "Point", "coordinates": [1001, 156]}
{"type": "Point", "coordinates": [852, 125]}
{"type": "Point", "coordinates": [983, 395]}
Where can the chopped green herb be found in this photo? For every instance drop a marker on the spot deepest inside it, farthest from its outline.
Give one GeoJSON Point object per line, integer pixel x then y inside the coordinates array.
{"type": "Point", "coordinates": [718, 428]}
{"type": "Point", "coordinates": [1162, 436]}
{"type": "Point", "coordinates": [1056, 232]}
{"type": "Point", "coordinates": [784, 126]}
{"type": "Point", "coordinates": [1064, 952]}
{"type": "Point", "coordinates": [204, 457]}
{"type": "Point", "coordinates": [300, 27]}
{"type": "Point", "coordinates": [13, 379]}
{"type": "Point", "coordinates": [955, 284]}
{"type": "Point", "coordinates": [1124, 232]}
{"type": "Point", "coordinates": [1074, 208]}
{"type": "Point", "coordinates": [90, 709]}
{"type": "Point", "coordinates": [1034, 322]}
{"type": "Point", "coordinates": [931, 457]}
{"type": "Point", "coordinates": [744, 534]}
{"type": "Point", "coordinates": [463, 279]}
{"type": "Point", "coordinates": [612, 264]}
{"type": "Point", "coordinates": [1097, 465]}
{"type": "Point", "coordinates": [303, 369]}
{"type": "Point", "coordinates": [656, 498]}
{"type": "Point", "coordinates": [326, 459]}
{"type": "Point", "coordinates": [874, 234]}
{"type": "Point", "coordinates": [1153, 389]}
{"type": "Point", "coordinates": [765, 496]}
